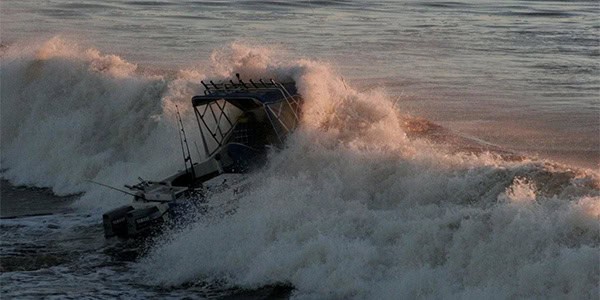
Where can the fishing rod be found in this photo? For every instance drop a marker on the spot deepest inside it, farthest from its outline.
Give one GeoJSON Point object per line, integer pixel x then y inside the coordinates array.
{"type": "Point", "coordinates": [113, 188]}
{"type": "Point", "coordinates": [142, 196]}
{"type": "Point", "coordinates": [183, 140]}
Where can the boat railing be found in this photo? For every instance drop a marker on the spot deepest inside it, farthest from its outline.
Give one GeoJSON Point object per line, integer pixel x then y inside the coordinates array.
{"type": "Point", "coordinates": [217, 131]}
{"type": "Point", "coordinates": [277, 110]}
{"type": "Point", "coordinates": [223, 87]}
{"type": "Point", "coordinates": [212, 87]}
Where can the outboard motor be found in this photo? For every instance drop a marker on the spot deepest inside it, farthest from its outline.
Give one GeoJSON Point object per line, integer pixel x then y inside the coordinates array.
{"type": "Point", "coordinates": [143, 219]}
{"type": "Point", "coordinates": [115, 221]}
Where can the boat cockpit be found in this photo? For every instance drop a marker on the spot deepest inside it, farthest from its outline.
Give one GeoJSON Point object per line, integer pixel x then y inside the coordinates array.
{"type": "Point", "coordinates": [238, 123]}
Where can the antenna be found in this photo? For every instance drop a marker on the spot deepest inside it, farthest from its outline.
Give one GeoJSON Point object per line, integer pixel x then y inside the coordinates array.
{"type": "Point", "coordinates": [186, 156]}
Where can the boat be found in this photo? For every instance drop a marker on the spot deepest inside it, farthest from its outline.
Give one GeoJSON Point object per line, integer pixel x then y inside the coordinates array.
{"type": "Point", "coordinates": [239, 123]}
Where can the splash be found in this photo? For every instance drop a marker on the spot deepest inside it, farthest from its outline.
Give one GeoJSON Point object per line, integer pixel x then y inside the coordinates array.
{"type": "Point", "coordinates": [355, 207]}
{"type": "Point", "coordinates": [520, 191]}
{"type": "Point", "coordinates": [359, 205]}
{"type": "Point", "coordinates": [71, 114]}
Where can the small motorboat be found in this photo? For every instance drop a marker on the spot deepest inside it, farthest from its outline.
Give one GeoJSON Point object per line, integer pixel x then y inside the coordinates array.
{"type": "Point", "coordinates": [239, 122]}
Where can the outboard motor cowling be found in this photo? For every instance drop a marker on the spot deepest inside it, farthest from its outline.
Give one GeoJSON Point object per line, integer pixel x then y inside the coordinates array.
{"type": "Point", "coordinates": [143, 219]}
{"type": "Point", "coordinates": [115, 221]}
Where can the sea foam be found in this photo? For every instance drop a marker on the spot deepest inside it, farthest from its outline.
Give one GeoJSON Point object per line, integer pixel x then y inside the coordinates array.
{"type": "Point", "coordinates": [71, 114]}
{"type": "Point", "coordinates": [354, 208]}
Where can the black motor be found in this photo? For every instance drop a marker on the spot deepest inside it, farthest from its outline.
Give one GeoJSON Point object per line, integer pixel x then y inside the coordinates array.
{"type": "Point", "coordinates": [115, 221]}
{"type": "Point", "coordinates": [142, 220]}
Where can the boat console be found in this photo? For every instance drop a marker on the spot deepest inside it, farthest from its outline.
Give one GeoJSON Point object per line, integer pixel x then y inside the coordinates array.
{"type": "Point", "coordinates": [239, 122]}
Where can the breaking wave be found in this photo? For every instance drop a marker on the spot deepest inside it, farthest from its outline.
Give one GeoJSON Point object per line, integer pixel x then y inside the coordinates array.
{"type": "Point", "coordinates": [71, 114]}
{"type": "Point", "coordinates": [364, 202]}
{"type": "Point", "coordinates": [367, 203]}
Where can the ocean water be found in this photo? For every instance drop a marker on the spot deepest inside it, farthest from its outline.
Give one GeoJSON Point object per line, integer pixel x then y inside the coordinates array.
{"type": "Point", "coordinates": [447, 149]}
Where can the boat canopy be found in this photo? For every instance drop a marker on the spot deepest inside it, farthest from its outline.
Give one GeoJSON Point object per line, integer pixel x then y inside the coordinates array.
{"type": "Point", "coordinates": [223, 105]}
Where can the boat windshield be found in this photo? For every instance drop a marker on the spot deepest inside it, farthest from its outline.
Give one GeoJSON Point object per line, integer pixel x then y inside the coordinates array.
{"type": "Point", "coordinates": [216, 120]}
{"type": "Point", "coordinates": [255, 114]}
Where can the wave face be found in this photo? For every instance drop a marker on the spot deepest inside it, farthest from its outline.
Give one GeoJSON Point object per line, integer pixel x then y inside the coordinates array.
{"type": "Point", "coordinates": [71, 114]}
{"type": "Point", "coordinates": [355, 208]}
{"type": "Point", "coordinates": [363, 202]}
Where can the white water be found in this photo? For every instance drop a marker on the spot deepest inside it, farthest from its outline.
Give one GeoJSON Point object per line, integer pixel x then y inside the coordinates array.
{"type": "Point", "coordinates": [72, 114]}
{"type": "Point", "coordinates": [352, 208]}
